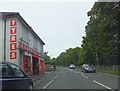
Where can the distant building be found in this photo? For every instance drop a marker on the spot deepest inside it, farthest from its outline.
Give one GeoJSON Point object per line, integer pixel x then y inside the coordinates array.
{"type": "Point", "coordinates": [20, 44]}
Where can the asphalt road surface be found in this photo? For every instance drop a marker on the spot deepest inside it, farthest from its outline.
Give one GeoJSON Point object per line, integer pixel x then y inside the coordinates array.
{"type": "Point", "coordinates": [65, 78]}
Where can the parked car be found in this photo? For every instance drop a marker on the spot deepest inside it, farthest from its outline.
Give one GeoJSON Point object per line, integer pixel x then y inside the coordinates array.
{"type": "Point", "coordinates": [12, 77]}
{"type": "Point", "coordinates": [72, 66]}
{"type": "Point", "coordinates": [88, 68]}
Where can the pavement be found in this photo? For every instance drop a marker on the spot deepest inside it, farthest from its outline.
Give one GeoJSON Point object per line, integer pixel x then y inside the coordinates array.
{"type": "Point", "coordinates": [39, 77]}
{"type": "Point", "coordinates": [43, 76]}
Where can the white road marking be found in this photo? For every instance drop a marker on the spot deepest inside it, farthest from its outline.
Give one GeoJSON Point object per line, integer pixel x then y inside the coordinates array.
{"type": "Point", "coordinates": [76, 72]}
{"type": "Point", "coordinates": [81, 73]}
{"type": "Point", "coordinates": [36, 84]}
{"type": "Point", "coordinates": [59, 73]}
{"type": "Point", "coordinates": [52, 80]}
{"type": "Point", "coordinates": [56, 76]}
{"type": "Point", "coordinates": [70, 69]}
{"type": "Point", "coordinates": [48, 72]}
{"type": "Point", "coordinates": [111, 75]}
{"type": "Point", "coordinates": [84, 76]}
{"type": "Point", "coordinates": [48, 84]}
{"type": "Point", "coordinates": [65, 68]}
{"type": "Point", "coordinates": [102, 85]}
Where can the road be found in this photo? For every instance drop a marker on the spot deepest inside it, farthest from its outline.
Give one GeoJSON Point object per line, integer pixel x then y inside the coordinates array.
{"type": "Point", "coordinates": [65, 78]}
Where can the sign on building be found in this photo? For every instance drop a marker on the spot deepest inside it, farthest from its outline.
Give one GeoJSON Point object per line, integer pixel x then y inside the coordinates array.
{"type": "Point", "coordinates": [13, 39]}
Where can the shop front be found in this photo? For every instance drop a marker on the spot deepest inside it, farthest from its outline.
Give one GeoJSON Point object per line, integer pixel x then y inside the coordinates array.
{"type": "Point", "coordinates": [31, 63]}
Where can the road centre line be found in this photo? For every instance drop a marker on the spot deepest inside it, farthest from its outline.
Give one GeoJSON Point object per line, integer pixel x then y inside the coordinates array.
{"type": "Point", "coordinates": [65, 68]}
{"type": "Point", "coordinates": [59, 73]}
{"type": "Point", "coordinates": [84, 76]}
{"type": "Point", "coordinates": [51, 81]}
{"type": "Point", "coordinates": [102, 84]}
{"type": "Point", "coordinates": [56, 76]}
{"type": "Point", "coordinates": [81, 72]}
{"type": "Point", "coordinates": [69, 69]}
{"type": "Point", "coordinates": [48, 84]}
{"type": "Point", "coordinates": [76, 72]}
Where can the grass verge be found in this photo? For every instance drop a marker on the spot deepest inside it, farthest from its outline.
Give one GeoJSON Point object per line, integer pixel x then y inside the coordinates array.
{"type": "Point", "coordinates": [110, 72]}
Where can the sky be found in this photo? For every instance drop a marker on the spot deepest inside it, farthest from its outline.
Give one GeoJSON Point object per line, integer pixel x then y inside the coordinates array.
{"type": "Point", "coordinates": [59, 23]}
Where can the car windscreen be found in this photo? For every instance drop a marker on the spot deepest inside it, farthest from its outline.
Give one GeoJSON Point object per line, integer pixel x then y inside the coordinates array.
{"type": "Point", "coordinates": [92, 66]}
{"type": "Point", "coordinates": [88, 66]}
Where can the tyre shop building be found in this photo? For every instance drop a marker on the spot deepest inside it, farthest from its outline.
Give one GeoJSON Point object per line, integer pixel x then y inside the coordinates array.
{"type": "Point", "coordinates": [20, 44]}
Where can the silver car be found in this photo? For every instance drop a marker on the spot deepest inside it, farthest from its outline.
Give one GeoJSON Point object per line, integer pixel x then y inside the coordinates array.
{"type": "Point", "coordinates": [88, 68]}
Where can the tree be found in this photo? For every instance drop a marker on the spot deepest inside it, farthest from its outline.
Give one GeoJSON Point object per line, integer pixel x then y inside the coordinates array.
{"type": "Point", "coordinates": [46, 57]}
{"type": "Point", "coordinates": [102, 34]}
{"type": "Point", "coordinates": [72, 55]}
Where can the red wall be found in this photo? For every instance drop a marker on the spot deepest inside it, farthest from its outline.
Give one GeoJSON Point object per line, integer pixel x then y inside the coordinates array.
{"type": "Point", "coordinates": [42, 66]}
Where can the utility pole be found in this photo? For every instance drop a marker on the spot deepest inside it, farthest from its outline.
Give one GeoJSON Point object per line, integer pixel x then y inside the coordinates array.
{"type": "Point", "coordinates": [97, 59]}
{"type": "Point", "coordinates": [96, 53]}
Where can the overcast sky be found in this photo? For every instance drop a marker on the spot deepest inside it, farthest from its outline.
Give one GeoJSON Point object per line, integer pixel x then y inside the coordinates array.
{"type": "Point", "coordinates": [60, 25]}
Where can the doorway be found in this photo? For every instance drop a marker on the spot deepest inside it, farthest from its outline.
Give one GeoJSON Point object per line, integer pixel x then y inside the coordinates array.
{"type": "Point", "coordinates": [35, 66]}
{"type": "Point", "coordinates": [28, 65]}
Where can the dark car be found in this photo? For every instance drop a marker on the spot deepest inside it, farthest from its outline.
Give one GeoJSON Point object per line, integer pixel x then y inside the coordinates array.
{"type": "Point", "coordinates": [88, 68]}
{"type": "Point", "coordinates": [12, 77]}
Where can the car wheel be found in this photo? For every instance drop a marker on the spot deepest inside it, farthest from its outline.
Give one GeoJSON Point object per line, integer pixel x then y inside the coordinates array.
{"type": "Point", "coordinates": [30, 87]}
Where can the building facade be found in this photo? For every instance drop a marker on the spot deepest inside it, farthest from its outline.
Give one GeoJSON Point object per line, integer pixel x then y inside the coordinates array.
{"type": "Point", "coordinates": [20, 44]}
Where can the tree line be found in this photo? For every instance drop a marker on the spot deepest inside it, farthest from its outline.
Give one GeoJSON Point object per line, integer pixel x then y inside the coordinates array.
{"type": "Point", "coordinates": [101, 38]}
{"type": "Point", "coordinates": [101, 42]}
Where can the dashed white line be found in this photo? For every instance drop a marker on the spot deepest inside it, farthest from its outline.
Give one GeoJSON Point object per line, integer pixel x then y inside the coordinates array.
{"type": "Point", "coordinates": [59, 73]}
{"type": "Point", "coordinates": [48, 84]}
{"type": "Point", "coordinates": [70, 69]}
{"type": "Point", "coordinates": [102, 85]}
{"type": "Point", "coordinates": [48, 72]}
{"type": "Point", "coordinates": [52, 80]}
{"type": "Point", "coordinates": [56, 76]}
{"type": "Point", "coordinates": [65, 68]}
{"type": "Point", "coordinates": [81, 73]}
{"type": "Point", "coordinates": [76, 72]}
{"type": "Point", "coordinates": [84, 76]}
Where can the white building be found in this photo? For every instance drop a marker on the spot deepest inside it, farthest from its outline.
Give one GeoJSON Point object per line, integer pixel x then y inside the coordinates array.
{"type": "Point", "coordinates": [20, 44]}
